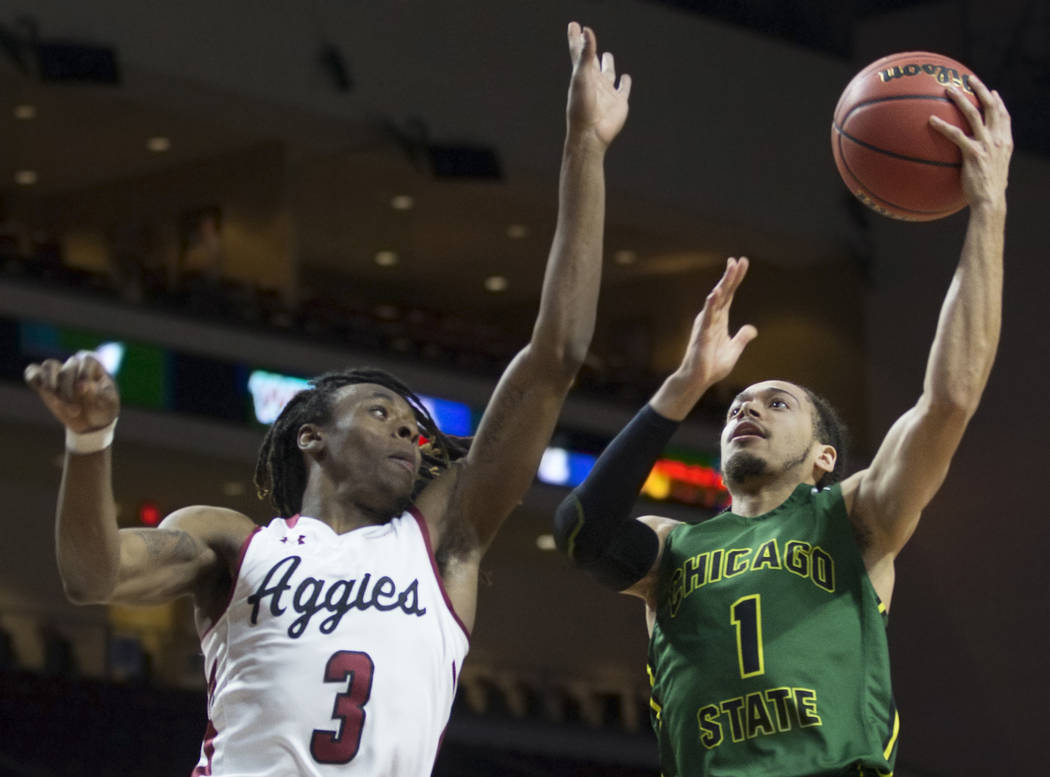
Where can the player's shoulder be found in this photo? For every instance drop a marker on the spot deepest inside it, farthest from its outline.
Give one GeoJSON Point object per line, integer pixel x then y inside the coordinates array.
{"type": "Point", "coordinates": [850, 487]}
{"type": "Point", "coordinates": [211, 525]}
{"type": "Point", "coordinates": [660, 524]}
{"type": "Point", "coordinates": [436, 503]}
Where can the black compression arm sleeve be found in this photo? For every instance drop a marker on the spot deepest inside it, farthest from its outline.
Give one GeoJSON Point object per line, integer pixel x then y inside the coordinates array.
{"type": "Point", "coordinates": [593, 525]}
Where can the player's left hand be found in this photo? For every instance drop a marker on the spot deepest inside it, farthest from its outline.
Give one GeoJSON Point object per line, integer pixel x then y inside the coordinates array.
{"type": "Point", "coordinates": [986, 152]}
{"type": "Point", "coordinates": [597, 105]}
{"type": "Point", "coordinates": [712, 351]}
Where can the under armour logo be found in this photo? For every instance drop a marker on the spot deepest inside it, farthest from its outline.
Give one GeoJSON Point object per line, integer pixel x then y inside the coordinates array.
{"type": "Point", "coordinates": [301, 540]}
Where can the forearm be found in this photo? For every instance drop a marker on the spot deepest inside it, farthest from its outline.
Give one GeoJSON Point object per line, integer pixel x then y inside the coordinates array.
{"type": "Point", "coordinates": [593, 524]}
{"type": "Point", "coordinates": [569, 301]}
{"type": "Point", "coordinates": [86, 534]}
{"type": "Point", "coordinates": [968, 327]}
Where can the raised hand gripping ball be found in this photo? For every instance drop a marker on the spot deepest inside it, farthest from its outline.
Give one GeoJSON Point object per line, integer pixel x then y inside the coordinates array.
{"type": "Point", "coordinates": [884, 147]}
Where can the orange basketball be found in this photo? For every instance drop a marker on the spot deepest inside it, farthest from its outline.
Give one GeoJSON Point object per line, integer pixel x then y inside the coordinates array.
{"type": "Point", "coordinates": [884, 147]}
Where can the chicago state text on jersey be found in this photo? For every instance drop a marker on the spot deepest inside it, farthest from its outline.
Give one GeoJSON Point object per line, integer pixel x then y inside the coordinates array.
{"type": "Point", "coordinates": [799, 558]}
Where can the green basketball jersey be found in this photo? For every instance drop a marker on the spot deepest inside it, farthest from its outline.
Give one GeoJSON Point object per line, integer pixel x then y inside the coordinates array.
{"type": "Point", "coordinates": [768, 656]}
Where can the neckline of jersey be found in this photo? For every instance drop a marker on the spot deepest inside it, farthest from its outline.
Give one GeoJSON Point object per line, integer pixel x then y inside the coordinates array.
{"type": "Point", "coordinates": [380, 527]}
{"type": "Point", "coordinates": [801, 490]}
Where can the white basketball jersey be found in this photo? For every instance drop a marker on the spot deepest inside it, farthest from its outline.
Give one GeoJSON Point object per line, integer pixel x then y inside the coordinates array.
{"type": "Point", "coordinates": [338, 654]}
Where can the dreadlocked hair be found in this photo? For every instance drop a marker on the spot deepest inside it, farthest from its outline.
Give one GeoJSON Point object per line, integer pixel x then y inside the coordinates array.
{"type": "Point", "coordinates": [830, 429]}
{"type": "Point", "coordinates": [280, 472]}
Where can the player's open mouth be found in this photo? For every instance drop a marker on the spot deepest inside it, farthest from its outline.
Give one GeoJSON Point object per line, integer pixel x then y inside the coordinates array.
{"type": "Point", "coordinates": [747, 429]}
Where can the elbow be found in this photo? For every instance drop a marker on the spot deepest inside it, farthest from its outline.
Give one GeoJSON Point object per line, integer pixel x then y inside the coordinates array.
{"type": "Point", "coordinates": [82, 596]}
{"type": "Point", "coordinates": [954, 404]}
{"type": "Point", "coordinates": [574, 355]}
{"type": "Point", "coordinates": [568, 518]}
{"type": "Point", "coordinates": [560, 362]}
{"type": "Point", "coordinates": [81, 591]}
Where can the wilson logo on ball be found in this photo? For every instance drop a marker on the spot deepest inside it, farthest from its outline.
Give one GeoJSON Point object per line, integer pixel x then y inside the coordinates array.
{"type": "Point", "coordinates": [885, 150]}
{"type": "Point", "coordinates": [946, 76]}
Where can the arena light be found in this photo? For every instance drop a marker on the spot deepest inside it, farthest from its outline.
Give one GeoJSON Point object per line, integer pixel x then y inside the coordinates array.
{"type": "Point", "coordinates": [669, 479]}
{"type": "Point", "coordinates": [271, 391]}
{"type": "Point", "coordinates": [111, 355]}
{"type": "Point", "coordinates": [149, 513]}
{"type": "Point", "coordinates": [452, 417]}
{"type": "Point", "coordinates": [562, 467]}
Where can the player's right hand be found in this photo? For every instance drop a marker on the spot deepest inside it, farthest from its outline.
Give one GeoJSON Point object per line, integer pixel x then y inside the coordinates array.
{"type": "Point", "coordinates": [597, 104]}
{"type": "Point", "coordinates": [78, 392]}
{"type": "Point", "coordinates": [986, 151]}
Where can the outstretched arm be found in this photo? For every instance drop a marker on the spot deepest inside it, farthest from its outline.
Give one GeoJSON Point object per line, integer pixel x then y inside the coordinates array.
{"type": "Point", "coordinates": [520, 417]}
{"type": "Point", "coordinates": [593, 525]}
{"type": "Point", "coordinates": [887, 499]}
{"type": "Point", "coordinates": [96, 561]}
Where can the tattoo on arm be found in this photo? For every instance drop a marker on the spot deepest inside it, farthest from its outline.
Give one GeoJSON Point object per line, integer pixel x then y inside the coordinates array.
{"type": "Point", "coordinates": [165, 544]}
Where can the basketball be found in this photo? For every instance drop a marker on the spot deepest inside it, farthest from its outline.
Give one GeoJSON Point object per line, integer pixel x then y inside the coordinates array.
{"type": "Point", "coordinates": [884, 147]}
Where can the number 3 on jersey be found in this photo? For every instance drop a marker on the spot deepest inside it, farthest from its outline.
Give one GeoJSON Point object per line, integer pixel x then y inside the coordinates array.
{"type": "Point", "coordinates": [339, 747]}
{"type": "Point", "coordinates": [746, 615]}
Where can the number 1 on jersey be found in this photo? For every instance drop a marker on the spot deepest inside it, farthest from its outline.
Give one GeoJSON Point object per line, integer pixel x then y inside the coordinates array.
{"type": "Point", "coordinates": [746, 615]}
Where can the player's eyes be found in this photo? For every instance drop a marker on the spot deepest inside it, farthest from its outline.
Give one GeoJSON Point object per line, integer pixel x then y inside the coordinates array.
{"type": "Point", "coordinates": [778, 403]}
{"type": "Point", "coordinates": [379, 410]}
{"type": "Point", "coordinates": [733, 411]}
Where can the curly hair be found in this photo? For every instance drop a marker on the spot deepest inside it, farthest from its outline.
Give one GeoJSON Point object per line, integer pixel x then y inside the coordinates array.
{"type": "Point", "coordinates": [829, 428]}
{"type": "Point", "coordinates": [280, 471]}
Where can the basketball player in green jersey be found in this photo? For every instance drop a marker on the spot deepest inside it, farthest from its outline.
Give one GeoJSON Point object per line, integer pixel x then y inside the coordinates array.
{"type": "Point", "coordinates": [768, 653]}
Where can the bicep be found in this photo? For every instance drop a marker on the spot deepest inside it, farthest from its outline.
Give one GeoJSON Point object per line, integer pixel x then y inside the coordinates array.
{"type": "Point", "coordinates": [907, 471]}
{"type": "Point", "coordinates": [161, 564]}
{"type": "Point", "coordinates": [158, 565]}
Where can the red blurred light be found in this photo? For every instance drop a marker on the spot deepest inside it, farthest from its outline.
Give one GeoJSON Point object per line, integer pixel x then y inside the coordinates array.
{"type": "Point", "coordinates": [149, 514]}
{"type": "Point", "coordinates": [691, 474]}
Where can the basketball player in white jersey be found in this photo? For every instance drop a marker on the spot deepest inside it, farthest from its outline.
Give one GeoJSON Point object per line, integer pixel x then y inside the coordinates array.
{"type": "Point", "coordinates": [333, 636]}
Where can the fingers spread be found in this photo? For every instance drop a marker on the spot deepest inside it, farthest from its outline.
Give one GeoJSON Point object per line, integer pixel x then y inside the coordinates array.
{"type": "Point", "coordinates": [973, 116]}
{"type": "Point", "coordinates": [950, 131]}
{"type": "Point", "coordinates": [590, 45]}
{"type": "Point", "coordinates": [996, 117]}
{"type": "Point", "coordinates": [744, 335]}
{"type": "Point", "coordinates": [576, 41]}
{"type": "Point", "coordinates": [982, 91]}
{"type": "Point", "coordinates": [625, 86]}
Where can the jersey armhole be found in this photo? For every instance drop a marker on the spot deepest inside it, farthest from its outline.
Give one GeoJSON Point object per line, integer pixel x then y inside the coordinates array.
{"type": "Point", "coordinates": [233, 581]}
{"type": "Point", "coordinates": [425, 531]}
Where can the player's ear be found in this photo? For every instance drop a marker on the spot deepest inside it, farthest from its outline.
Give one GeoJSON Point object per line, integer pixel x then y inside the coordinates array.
{"type": "Point", "coordinates": [825, 461]}
{"type": "Point", "coordinates": [310, 438]}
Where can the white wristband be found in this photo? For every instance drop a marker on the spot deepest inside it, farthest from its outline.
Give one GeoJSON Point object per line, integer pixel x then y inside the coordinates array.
{"type": "Point", "coordinates": [90, 442]}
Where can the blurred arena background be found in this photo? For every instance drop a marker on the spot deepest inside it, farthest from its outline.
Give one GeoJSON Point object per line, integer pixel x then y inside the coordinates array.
{"type": "Point", "coordinates": [229, 196]}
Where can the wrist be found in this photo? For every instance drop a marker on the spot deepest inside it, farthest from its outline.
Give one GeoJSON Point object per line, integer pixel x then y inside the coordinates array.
{"type": "Point", "coordinates": [989, 207]}
{"type": "Point", "coordinates": [584, 142]}
{"type": "Point", "coordinates": [677, 396]}
{"type": "Point", "coordinates": [96, 440]}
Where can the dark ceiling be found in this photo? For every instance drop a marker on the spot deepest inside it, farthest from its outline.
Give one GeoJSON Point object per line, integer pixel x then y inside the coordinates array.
{"type": "Point", "coordinates": [1017, 62]}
